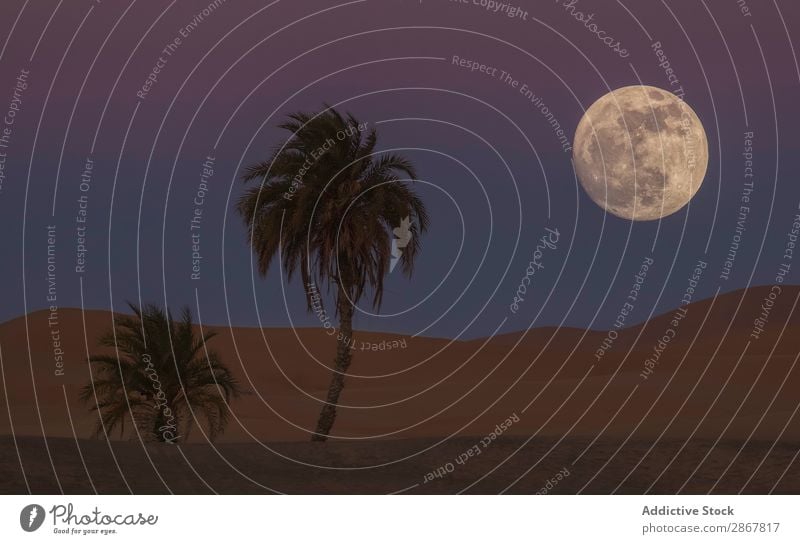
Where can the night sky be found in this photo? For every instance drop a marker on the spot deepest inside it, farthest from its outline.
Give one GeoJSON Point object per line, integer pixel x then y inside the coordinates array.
{"type": "Point", "coordinates": [97, 152]}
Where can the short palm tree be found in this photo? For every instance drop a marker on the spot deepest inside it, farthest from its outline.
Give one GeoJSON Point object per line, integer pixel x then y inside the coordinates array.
{"type": "Point", "coordinates": [162, 374]}
{"type": "Point", "coordinates": [326, 206]}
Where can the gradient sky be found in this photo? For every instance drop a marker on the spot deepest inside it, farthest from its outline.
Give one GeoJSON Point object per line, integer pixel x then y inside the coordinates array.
{"type": "Point", "coordinates": [494, 173]}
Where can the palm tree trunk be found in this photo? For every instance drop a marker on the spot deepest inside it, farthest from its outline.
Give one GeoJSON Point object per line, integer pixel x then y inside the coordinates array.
{"type": "Point", "coordinates": [343, 358]}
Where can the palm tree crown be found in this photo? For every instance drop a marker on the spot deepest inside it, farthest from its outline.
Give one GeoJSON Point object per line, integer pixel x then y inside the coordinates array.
{"type": "Point", "coordinates": [162, 376]}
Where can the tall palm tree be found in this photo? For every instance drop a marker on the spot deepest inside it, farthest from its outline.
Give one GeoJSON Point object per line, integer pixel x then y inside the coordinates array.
{"type": "Point", "coordinates": [326, 205]}
{"type": "Point", "coordinates": [159, 374]}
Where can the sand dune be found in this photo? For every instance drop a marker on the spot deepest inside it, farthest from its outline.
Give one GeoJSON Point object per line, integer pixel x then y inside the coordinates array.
{"type": "Point", "coordinates": [436, 387]}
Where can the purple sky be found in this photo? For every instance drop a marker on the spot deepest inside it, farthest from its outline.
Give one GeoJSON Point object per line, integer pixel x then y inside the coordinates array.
{"type": "Point", "coordinates": [495, 175]}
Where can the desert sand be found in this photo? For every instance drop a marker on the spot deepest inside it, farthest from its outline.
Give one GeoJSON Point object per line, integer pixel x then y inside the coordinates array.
{"type": "Point", "coordinates": [717, 397]}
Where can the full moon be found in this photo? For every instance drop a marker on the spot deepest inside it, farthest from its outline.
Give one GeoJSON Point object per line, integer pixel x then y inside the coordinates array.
{"type": "Point", "coordinates": [640, 152]}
